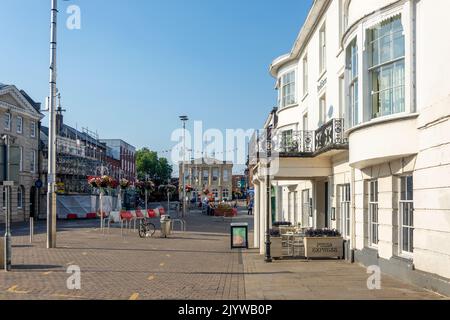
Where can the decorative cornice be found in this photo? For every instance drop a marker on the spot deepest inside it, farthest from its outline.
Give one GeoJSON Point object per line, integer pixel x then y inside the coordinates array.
{"type": "Point", "coordinates": [27, 110]}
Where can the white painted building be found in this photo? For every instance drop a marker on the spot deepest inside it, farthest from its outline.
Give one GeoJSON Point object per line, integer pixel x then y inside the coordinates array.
{"type": "Point", "coordinates": [362, 132]}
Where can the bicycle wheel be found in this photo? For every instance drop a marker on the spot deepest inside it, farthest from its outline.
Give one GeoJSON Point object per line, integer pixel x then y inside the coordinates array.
{"type": "Point", "coordinates": [151, 229]}
{"type": "Point", "coordinates": [143, 230]}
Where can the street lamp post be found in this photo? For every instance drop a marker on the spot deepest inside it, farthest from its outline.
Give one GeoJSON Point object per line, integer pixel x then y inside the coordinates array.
{"type": "Point", "coordinates": [268, 257]}
{"type": "Point", "coordinates": [51, 194]}
{"type": "Point", "coordinates": [184, 119]}
{"type": "Point", "coordinates": [7, 186]}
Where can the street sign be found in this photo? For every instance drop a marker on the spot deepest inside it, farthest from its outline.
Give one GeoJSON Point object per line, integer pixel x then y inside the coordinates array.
{"type": "Point", "coordinates": [239, 236]}
{"type": "Point", "coordinates": [38, 184]}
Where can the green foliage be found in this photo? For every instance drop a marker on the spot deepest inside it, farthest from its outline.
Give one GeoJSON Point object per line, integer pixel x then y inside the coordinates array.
{"type": "Point", "coordinates": [148, 163]}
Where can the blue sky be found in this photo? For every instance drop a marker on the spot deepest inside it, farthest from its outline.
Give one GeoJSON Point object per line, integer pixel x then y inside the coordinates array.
{"type": "Point", "coordinates": [136, 65]}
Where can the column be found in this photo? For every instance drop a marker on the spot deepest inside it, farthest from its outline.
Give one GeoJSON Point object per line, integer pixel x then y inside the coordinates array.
{"type": "Point", "coordinates": [263, 217]}
{"type": "Point", "coordinates": [256, 215]}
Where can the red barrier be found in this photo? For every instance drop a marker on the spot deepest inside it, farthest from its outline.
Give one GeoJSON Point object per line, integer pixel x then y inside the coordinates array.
{"type": "Point", "coordinates": [151, 213]}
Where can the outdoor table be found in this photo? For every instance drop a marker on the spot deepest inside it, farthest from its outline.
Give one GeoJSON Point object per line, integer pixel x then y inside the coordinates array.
{"type": "Point", "coordinates": [291, 237]}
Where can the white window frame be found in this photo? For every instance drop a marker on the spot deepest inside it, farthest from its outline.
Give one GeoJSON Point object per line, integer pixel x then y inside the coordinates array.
{"type": "Point", "coordinates": [226, 175]}
{"type": "Point", "coordinates": [215, 174]}
{"type": "Point", "coordinates": [352, 57]}
{"type": "Point", "coordinates": [374, 223]}
{"type": "Point", "coordinates": [33, 129]}
{"type": "Point", "coordinates": [33, 161]}
{"type": "Point", "coordinates": [205, 177]}
{"type": "Point", "coordinates": [381, 66]}
{"type": "Point", "coordinates": [215, 193]}
{"type": "Point", "coordinates": [305, 75]}
{"type": "Point", "coordinates": [345, 214]}
{"type": "Point", "coordinates": [19, 128]}
{"type": "Point", "coordinates": [226, 194]}
{"type": "Point", "coordinates": [406, 202]}
{"type": "Point", "coordinates": [288, 82]}
{"type": "Point", "coordinates": [7, 121]}
{"type": "Point", "coordinates": [323, 48]}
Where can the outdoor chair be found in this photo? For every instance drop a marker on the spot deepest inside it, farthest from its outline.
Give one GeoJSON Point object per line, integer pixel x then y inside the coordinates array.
{"type": "Point", "coordinates": [125, 218]}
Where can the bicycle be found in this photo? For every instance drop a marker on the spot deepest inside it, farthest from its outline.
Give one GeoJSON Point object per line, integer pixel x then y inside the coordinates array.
{"type": "Point", "coordinates": [146, 229]}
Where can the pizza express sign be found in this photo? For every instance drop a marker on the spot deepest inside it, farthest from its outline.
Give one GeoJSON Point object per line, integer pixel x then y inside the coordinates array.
{"type": "Point", "coordinates": [324, 247]}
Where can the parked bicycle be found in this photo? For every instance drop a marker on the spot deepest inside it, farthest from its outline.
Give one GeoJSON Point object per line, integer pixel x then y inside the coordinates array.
{"type": "Point", "coordinates": [146, 229]}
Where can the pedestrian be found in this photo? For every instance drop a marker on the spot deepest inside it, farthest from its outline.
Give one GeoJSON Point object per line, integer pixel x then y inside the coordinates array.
{"type": "Point", "coordinates": [250, 208]}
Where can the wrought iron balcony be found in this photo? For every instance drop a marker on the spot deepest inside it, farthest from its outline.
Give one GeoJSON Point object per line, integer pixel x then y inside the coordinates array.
{"type": "Point", "coordinates": [331, 136]}
{"type": "Point", "coordinates": [300, 143]}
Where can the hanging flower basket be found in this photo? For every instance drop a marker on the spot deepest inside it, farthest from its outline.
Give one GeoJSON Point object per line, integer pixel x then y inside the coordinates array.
{"type": "Point", "coordinates": [149, 185]}
{"type": "Point", "coordinates": [93, 182]}
{"type": "Point", "coordinates": [105, 182]}
{"type": "Point", "coordinates": [124, 184]}
{"type": "Point", "coordinates": [114, 184]}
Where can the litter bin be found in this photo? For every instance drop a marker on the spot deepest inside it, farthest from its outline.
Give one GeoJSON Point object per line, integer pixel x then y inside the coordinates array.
{"type": "Point", "coordinates": [166, 226]}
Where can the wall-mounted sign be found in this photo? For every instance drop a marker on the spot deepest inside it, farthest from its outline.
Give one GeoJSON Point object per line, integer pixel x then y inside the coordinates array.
{"type": "Point", "coordinates": [321, 84]}
{"type": "Point", "coordinates": [239, 236]}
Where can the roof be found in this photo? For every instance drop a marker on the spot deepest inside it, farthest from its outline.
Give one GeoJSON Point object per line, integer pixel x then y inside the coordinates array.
{"type": "Point", "coordinates": [72, 133]}
{"type": "Point", "coordinates": [207, 161]}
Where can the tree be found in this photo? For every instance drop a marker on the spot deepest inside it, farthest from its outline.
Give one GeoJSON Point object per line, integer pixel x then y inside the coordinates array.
{"type": "Point", "coordinates": [148, 163]}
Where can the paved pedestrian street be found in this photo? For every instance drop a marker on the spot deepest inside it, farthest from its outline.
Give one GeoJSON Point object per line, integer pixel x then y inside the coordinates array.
{"type": "Point", "coordinates": [197, 264]}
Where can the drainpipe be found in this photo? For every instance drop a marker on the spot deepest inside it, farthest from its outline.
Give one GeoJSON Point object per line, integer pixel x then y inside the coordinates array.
{"type": "Point", "coordinates": [353, 241]}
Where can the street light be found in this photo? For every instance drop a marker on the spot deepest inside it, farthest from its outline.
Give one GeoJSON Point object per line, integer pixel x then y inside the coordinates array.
{"type": "Point", "coordinates": [51, 190]}
{"type": "Point", "coordinates": [268, 257]}
{"type": "Point", "coordinates": [184, 119]}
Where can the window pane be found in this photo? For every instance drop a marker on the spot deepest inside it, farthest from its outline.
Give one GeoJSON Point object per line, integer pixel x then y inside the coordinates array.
{"type": "Point", "coordinates": [411, 240]}
{"type": "Point", "coordinates": [385, 49]}
{"type": "Point", "coordinates": [399, 45]}
{"type": "Point", "coordinates": [410, 188]}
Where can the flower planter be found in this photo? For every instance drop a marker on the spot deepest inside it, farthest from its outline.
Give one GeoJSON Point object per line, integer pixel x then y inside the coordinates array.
{"type": "Point", "coordinates": [276, 248]}
{"type": "Point", "coordinates": [324, 247]}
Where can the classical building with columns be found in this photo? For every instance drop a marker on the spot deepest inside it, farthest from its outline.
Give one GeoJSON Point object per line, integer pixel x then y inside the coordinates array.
{"type": "Point", "coordinates": [208, 174]}
{"type": "Point", "coordinates": [20, 120]}
{"type": "Point", "coordinates": [361, 135]}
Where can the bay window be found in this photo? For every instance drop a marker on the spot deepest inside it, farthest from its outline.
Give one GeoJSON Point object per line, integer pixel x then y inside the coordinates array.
{"type": "Point", "coordinates": [352, 63]}
{"type": "Point", "coordinates": [288, 89]}
{"type": "Point", "coordinates": [387, 68]}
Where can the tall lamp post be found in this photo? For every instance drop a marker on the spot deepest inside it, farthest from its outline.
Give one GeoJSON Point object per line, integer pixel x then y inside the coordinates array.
{"type": "Point", "coordinates": [268, 257]}
{"type": "Point", "coordinates": [51, 192]}
{"type": "Point", "coordinates": [184, 119]}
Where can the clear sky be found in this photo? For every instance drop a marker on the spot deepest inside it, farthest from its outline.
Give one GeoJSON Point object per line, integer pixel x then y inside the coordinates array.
{"type": "Point", "coordinates": [136, 65]}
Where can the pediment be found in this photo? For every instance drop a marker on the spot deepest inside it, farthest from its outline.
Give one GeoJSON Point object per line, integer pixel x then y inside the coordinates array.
{"type": "Point", "coordinates": [12, 98]}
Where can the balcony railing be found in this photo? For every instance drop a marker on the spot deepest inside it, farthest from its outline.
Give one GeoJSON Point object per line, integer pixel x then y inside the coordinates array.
{"type": "Point", "coordinates": [331, 135]}
{"type": "Point", "coordinates": [300, 143]}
